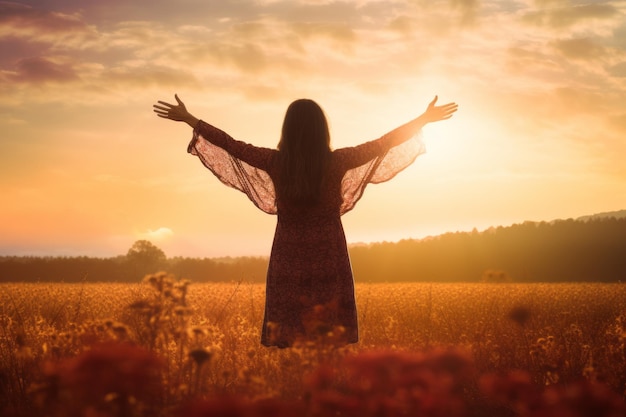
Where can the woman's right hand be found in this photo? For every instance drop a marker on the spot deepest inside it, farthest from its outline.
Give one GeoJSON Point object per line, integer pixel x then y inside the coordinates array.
{"type": "Point", "coordinates": [177, 112]}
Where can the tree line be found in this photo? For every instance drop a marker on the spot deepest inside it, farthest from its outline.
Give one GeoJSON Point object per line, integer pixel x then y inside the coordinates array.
{"type": "Point", "coordinates": [141, 259]}
{"type": "Point", "coordinates": [559, 251]}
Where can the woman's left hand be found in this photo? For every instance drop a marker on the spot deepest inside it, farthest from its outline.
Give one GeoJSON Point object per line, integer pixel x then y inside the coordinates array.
{"type": "Point", "coordinates": [436, 113]}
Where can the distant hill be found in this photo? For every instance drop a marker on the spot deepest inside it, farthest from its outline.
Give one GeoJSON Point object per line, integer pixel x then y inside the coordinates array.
{"type": "Point", "coordinates": [620, 214]}
{"type": "Point", "coordinates": [568, 250]}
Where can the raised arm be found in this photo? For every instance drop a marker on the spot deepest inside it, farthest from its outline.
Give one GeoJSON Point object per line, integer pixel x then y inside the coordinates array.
{"type": "Point", "coordinates": [432, 114]}
{"type": "Point", "coordinates": [255, 156]}
{"type": "Point", "coordinates": [361, 154]}
{"type": "Point", "coordinates": [237, 164]}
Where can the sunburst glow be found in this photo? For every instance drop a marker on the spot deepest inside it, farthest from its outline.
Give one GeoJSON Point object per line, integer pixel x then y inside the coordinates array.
{"type": "Point", "coordinates": [86, 166]}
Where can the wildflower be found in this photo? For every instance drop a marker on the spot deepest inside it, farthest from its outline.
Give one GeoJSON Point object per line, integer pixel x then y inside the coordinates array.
{"type": "Point", "coordinates": [520, 315]}
{"type": "Point", "coordinates": [180, 311]}
{"type": "Point", "coordinates": [392, 383]}
{"type": "Point", "coordinates": [129, 372]}
{"type": "Point", "coordinates": [514, 389]}
{"type": "Point", "coordinates": [151, 279]}
{"type": "Point", "coordinates": [198, 331]}
{"type": "Point", "coordinates": [120, 330]}
{"type": "Point", "coordinates": [236, 407]}
{"type": "Point", "coordinates": [200, 356]}
{"type": "Point", "coordinates": [20, 339]}
{"type": "Point", "coordinates": [578, 399]}
{"type": "Point", "coordinates": [273, 330]}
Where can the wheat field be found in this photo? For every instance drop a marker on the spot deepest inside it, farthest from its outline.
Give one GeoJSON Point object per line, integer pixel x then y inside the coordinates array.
{"type": "Point", "coordinates": [169, 348]}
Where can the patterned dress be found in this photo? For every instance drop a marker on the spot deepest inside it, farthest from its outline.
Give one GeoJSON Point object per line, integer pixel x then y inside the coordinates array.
{"type": "Point", "coordinates": [309, 264]}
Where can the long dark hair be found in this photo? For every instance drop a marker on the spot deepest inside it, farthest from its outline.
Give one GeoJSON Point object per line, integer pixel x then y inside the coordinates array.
{"type": "Point", "coordinates": [304, 151]}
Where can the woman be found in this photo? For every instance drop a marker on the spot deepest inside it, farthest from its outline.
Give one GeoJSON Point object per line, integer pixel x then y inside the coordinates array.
{"type": "Point", "coordinates": [309, 287]}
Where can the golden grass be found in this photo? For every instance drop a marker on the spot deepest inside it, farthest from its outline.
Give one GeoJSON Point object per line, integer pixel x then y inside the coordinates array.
{"type": "Point", "coordinates": [207, 335]}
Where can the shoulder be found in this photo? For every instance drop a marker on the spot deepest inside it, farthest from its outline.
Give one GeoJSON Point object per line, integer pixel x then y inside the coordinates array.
{"type": "Point", "coordinates": [354, 156]}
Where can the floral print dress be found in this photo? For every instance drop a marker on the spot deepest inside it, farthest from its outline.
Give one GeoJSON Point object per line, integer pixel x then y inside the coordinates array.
{"type": "Point", "coordinates": [309, 264]}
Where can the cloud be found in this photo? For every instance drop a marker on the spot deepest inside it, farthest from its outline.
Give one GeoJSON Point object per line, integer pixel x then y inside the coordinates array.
{"type": "Point", "coordinates": [260, 92]}
{"type": "Point", "coordinates": [338, 32]}
{"type": "Point", "coordinates": [146, 75]}
{"type": "Point", "coordinates": [160, 234]}
{"type": "Point", "coordinates": [286, 42]}
{"type": "Point", "coordinates": [38, 70]}
{"type": "Point", "coordinates": [401, 24]}
{"type": "Point", "coordinates": [247, 56]}
{"type": "Point", "coordinates": [579, 48]}
{"type": "Point", "coordinates": [18, 20]}
{"type": "Point", "coordinates": [618, 70]}
{"type": "Point", "coordinates": [267, 45]}
{"type": "Point", "coordinates": [467, 8]}
{"type": "Point", "coordinates": [563, 17]}
{"type": "Point", "coordinates": [282, 44]}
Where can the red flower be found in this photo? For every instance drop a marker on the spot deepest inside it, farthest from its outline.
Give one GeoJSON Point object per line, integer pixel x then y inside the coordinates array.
{"type": "Point", "coordinates": [239, 407]}
{"type": "Point", "coordinates": [579, 399]}
{"type": "Point", "coordinates": [392, 384]}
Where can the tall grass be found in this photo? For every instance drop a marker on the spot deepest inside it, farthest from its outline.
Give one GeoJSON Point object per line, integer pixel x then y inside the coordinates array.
{"type": "Point", "coordinates": [167, 348]}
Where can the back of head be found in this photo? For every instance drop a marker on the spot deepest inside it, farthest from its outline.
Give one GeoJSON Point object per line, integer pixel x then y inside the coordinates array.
{"type": "Point", "coordinates": [304, 151]}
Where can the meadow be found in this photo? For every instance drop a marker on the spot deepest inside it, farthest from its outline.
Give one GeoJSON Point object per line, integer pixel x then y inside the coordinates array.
{"type": "Point", "coordinates": [166, 347]}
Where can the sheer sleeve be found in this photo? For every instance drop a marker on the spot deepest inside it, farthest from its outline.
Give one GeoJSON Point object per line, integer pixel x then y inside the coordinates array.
{"type": "Point", "coordinates": [237, 164]}
{"type": "Point", "coordinates": [374, 162]}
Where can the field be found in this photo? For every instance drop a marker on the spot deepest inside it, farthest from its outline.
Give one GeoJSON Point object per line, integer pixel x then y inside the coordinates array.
{"type": "Point", "coordinates": [169, 348]}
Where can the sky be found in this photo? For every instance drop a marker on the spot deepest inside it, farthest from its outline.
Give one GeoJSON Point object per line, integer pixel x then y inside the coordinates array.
{"type": "Point", "coordinates": [86, 168]}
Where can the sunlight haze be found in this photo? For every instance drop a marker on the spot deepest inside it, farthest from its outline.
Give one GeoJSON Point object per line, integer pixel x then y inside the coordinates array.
{"type": "Point", "coordinates": [86, 168]}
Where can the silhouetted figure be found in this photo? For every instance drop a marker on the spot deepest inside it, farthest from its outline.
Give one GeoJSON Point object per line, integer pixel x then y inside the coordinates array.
{"type": "Point", "coordinates": [309, 186]}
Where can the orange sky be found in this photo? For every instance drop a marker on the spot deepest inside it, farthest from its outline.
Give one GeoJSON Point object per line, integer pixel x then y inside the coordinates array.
{"type": "Point", "coordinates": [86, 168]}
